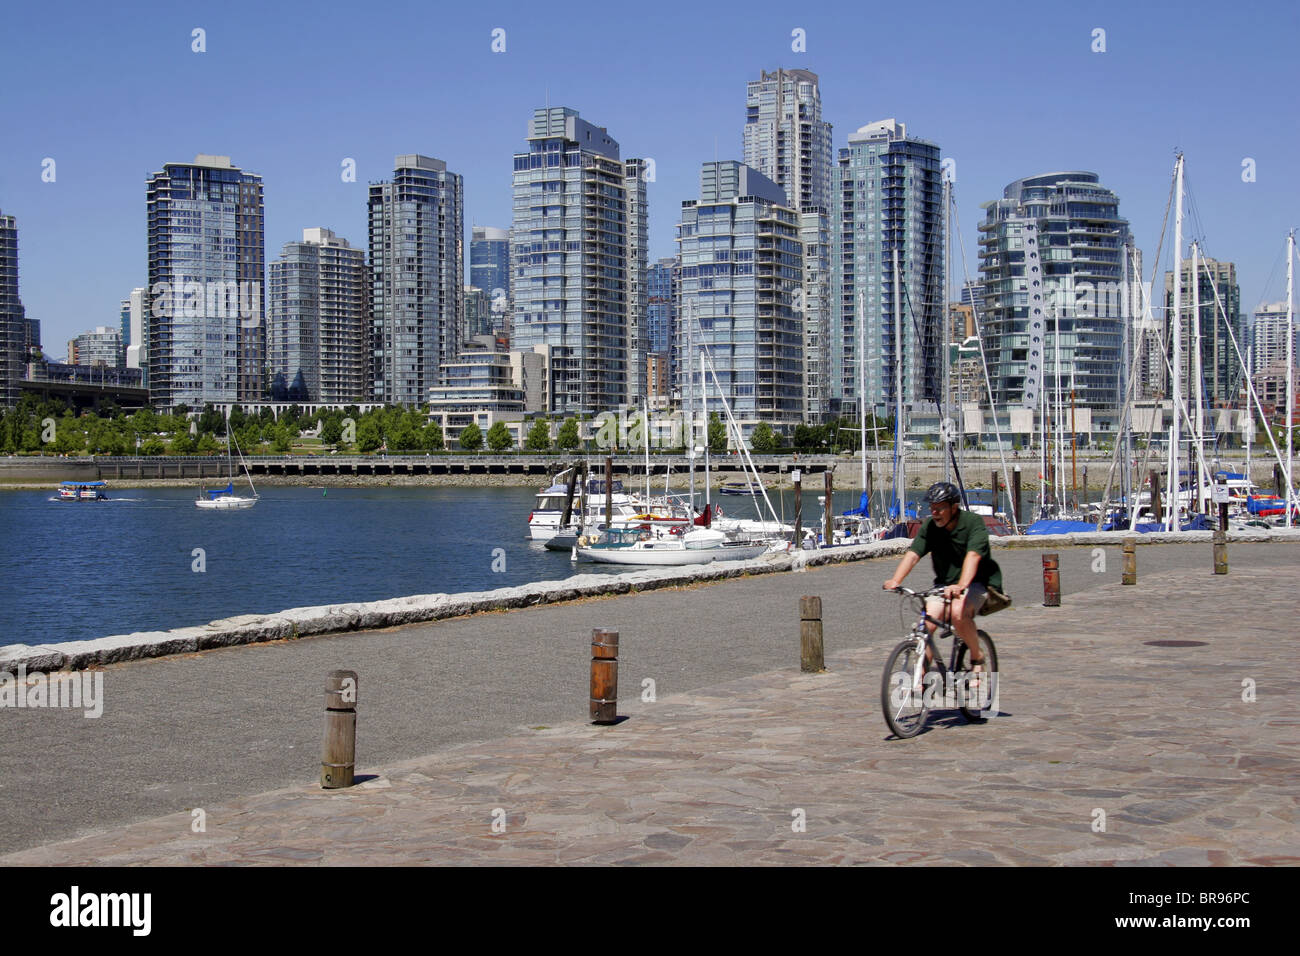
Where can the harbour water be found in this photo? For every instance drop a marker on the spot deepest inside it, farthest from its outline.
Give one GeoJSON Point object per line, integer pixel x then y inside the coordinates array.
{"type": "Point", "coordinates": [82, 570]}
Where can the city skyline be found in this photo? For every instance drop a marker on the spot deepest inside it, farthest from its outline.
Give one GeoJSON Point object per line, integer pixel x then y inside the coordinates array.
{"type": "Point", "coordinates": [1002, 129]}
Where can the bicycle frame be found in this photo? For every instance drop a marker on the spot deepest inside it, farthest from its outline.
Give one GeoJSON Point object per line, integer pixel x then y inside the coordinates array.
{"type": "Point", "coordinates": [926, 642]}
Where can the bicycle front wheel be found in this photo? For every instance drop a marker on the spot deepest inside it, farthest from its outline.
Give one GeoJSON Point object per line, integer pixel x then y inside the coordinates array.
{"type": "Point", "coordinates": [905, 709]}
{"type": "Point", "coordinates": [977, 693]}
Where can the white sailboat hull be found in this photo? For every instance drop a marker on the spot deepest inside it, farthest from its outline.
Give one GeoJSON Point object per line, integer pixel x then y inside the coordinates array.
{"type": "Point", "coordinates": [228, 503]}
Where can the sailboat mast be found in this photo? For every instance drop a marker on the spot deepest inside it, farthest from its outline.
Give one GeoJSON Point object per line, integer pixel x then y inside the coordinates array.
{"type": "Point", "coordinates": [862, 392]}
{"type": "Point", "coordinates": [945, 329]}
{"type": "Point", "coordinates": [899, 492]}
{"type": "Point", "coordinates": [1290, 364]}
{"type": "Point", "coordinates": [1199, 421]}
{"type": "Point", "coordinates": [1177, 365]}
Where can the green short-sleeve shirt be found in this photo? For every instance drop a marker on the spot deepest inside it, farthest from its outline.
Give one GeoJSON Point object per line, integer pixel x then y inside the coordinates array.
{"type": "Point", "coordinates": [948, 549]}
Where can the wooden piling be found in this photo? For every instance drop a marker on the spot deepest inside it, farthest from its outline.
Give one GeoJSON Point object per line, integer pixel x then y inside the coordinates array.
{"type": "Point", "coordinates": [1130, 575]}
{"type": "Point", "coordinates": [338, 752]}
{"type": "Point", "coordinates": [812, 658]}
{"type": "Point", "coordinates": [1220, 539]}
{"type": "Point", "coordinates": [604, 676]}
{"type": "Point", "coordinates": [1015, 494]}
{"type": "Point", "coordinates": [1156, 511]}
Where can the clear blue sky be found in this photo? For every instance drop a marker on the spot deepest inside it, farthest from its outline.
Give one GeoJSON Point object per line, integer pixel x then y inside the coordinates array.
{"type": "Point", "coordinates": [112, 92]}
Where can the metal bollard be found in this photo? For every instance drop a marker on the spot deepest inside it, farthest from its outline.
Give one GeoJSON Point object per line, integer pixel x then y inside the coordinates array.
{"type": "Point", "coordinates": [1130, 575]}
{"type": "Point", "coordinates": [338, 753]}
{"type": "Point", "coordinates": [1051, 580]}
{"type": "Point", "coordinates": [1220, 539]}
{"type": "Point", "coordinates": [812, 656]}
{"type": "Point", "coordinates": [604, 676]}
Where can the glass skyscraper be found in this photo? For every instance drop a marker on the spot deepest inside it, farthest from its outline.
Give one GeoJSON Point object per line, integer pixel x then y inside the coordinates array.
{"type": "Point", "coordinates": [890, 197]}
{"type": "Point", "coordinates": [11, 314]}
{"type": "Point", "coordinates": [1081, 242]}
{"type": "Point", "coordinates": [787, 141]}
{"type": "Point", "coordinates": [741, 267]}
{"type": "Point", "coordinates": [489, 268]}
{"type": "Point", "coordinates": [661, 305]}
{"type": "Point", "coordinates": [572, 247]}
{"type": "Point", "coordinates": [417, 278]}
{"type": "Point", "coordinates": [316, 321]}
{"type": "Point", "coordinates": [205, 338]}
{"type": "Point", "coordinates": [1221, 370]}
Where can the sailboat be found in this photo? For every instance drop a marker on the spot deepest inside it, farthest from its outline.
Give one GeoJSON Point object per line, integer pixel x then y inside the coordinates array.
{"type": "Point", "coordinates": [225, 499]}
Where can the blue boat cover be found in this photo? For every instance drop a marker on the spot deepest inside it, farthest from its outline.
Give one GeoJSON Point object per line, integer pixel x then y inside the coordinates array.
{"type": "Point", "coordinates": [228, 490]}
{"type": "Point", "coordinates": [861, 510]}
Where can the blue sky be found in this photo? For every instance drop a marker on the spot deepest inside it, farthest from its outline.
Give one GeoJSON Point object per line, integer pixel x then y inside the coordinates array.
{"type": "Point", "coordinates": [1007, 90]}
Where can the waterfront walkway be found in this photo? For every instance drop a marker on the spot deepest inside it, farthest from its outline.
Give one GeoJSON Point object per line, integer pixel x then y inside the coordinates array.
{"type": "Point", "coordinates": [741, 759]}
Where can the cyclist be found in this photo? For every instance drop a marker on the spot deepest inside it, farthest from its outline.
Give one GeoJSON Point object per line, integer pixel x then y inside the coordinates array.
{"type": "Point", "coordinates": [958, 544]}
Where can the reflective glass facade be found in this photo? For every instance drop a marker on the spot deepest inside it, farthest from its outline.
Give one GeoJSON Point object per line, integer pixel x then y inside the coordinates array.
{"type": "Point", "coordinates": [205, 338]}
{"type": "Point", "coordinates": [889, 197]}
{"type": "Point", "coordinates": [317, 322]}
{"type": "Point", "coordinates": [11, 314]}
{"type": "Point", "coordinates": [741, 267]}
{"type": "Point", "coordinates": [417, 278]}
{"type": "Point", "coordinates": [570, 257]}
{"type": "Point", "coordinates": [1081, 240]}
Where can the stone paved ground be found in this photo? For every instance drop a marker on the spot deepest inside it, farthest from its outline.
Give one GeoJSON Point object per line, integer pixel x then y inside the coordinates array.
{"type": "Point", "coordinates": [1093, 722]}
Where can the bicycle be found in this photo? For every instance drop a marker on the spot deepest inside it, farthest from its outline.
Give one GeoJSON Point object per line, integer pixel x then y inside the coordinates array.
{"type": "Point", "coordinates": [910, 685]}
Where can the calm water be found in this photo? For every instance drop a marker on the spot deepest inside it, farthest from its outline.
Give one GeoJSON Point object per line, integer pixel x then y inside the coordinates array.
{"type": "Point", "coordinates": [81, 570]}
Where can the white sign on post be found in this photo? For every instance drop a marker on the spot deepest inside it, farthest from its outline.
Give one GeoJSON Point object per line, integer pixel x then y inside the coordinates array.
{"type": "Point", "coordinates": [1219, 494]}
{"type": "Point", "coordinates": [794, 475]}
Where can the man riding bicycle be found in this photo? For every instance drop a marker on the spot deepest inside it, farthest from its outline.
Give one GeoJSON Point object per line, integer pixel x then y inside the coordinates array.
{"type": "Point", "coordinates": [958, 544]}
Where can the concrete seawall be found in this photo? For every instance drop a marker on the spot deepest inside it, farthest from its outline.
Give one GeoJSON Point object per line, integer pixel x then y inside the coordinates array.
{"type": "Point", "coordinates": [333, 619]}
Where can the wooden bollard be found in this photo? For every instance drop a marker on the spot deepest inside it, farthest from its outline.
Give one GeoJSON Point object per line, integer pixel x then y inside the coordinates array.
{"type": "Point", "coordinates": [604, 676]}
{"type": "Point", "coordinates": [812, 658]}
{"type": "Point", "coordinates": [1130, 574]}
{"type": "Point", "coordinates": [1156, 511]}
{"type": "Point", "coordinates": [1220, 539]}
{"type": "Point", "coordinates": [1051, 580]}
{"type": "Point", "coordinates": [338, 754]}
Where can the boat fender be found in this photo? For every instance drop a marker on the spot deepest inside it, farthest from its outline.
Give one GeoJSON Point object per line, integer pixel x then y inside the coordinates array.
{"type": "Point", "coordinates": [582, 541]}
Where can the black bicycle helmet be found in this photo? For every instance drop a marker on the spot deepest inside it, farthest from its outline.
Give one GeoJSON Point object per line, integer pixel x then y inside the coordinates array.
{"type": "Point", "coordinates": [942, 491]}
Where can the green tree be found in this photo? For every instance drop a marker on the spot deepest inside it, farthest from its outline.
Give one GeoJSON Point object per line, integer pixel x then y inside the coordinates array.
{"type": "Point", "coordinates": [208, 445]}
{"type": "Point", "coordinates": [282, 436]}
{"type": "Point", "coordinates": [539, 436]}
{"type": "Point", "coordinates": [153, 445]}
{"type": "Point", "coordinates": [211, 422]}
{"type": "Point", "coordinates": [763, 440]}
{"type": "Point", "coordinates": [183, 444]}
{"type": "Point", "coordinates": [498, 437]}
{"type": "Point", "coordinates": [717, 434]}
{"type": "Point", "coordinates": [471, 437]}
{"type": "Point", "coordinates": [432, 437]}
{"type": "Point", "coordinates": [567, 437]}
{"type": "Point", "coordinates": [331, 430]}
{"type": "Point", "coordinates": [368, 437]}
{"type": "Point", "coordinates": [68, 437]}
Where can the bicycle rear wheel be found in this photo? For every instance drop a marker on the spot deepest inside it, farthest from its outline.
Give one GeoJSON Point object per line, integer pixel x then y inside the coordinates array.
{"type": "Point", "coordinates": [977, 701]}
{"type": "Point", "coordinates": [905, 711]}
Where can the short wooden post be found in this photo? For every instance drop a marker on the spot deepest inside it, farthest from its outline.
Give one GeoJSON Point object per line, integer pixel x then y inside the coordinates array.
{"type": "Point", "coordinates": [1130, 575]}
{"type": "Point", "coordinates": [1220, 539]}
{"type": "Point", "coordinates": [812, 657]}
{"type": "Point", "coordinates": [798, 508]}
{"type": "Point", "coordinates": [1015, 495]}
{"type": "Point", "coordinates": [338, 753]}
{"type": "Point", "coordinates": [1156, 511]}
{"type": "Point", "coordinates": [1051, 580]}
{"type": "Point", "coordinates": [604, 676]}
{"type": "Point", "coordinates": [830, 511]}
